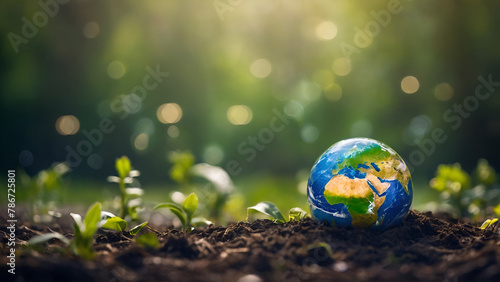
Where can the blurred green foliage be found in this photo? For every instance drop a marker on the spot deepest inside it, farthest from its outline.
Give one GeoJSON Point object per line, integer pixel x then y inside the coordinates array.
{"type": "Point", "coordinates": [268, 56]}
{"type": "Point", "coordinates": [45, 191]}
{"type": "Point", "coordinates": [91, 55]}
{"type": "Point", "coordinates": [462, 198]}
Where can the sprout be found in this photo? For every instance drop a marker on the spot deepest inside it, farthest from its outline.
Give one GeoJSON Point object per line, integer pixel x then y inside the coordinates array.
{"type": "Point", "coordinates": [271, 210]}
{"type": "Point", "coordinates": [84, 230]}
{"type": "Point", "coordinates": [131, 196]}
{"type": "Point", "coordinates": [185, 212]}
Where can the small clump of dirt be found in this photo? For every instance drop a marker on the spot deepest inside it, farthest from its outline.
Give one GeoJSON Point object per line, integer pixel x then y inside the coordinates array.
{"type": "Point", "coordinates": [424, 247]}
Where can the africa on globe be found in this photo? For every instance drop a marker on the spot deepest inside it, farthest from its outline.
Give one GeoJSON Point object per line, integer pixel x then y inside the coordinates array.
{"type": "Point", "coordinates": [361, 183]}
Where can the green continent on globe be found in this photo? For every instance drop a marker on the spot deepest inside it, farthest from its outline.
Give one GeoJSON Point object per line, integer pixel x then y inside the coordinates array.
{"type": "Point", "coordinates": [357, 184]}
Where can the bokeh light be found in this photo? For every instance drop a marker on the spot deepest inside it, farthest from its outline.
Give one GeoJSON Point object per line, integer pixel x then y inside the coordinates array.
{"type": "Point", "coordinates": [326, 30]}
{"type": "Point", "coordinates": [261, 68]}
{"type": "Point", "coordinates": [323, 78]}
{"type": "Point", "coordinates": [309, 133]}
{"type": "Point", "coordinates": [410, 84]}
{"type": "Point", "coordinates": [141, 141]}
{"type": "Point", "coordinates": [341, 66]}
{"type": "Point", "coordinates": [91, 30]}
{"type": "Point", "coordinates": [67, 125]}
{"type": "Point", "coordinates": [333, 92]}
{"type": "Point", "coordinates": [173, 131]}
{"type": "Point", "coordinates": [116, 69]}
{"type": "Point", "coordinates": [169, 113]}
{"type": "Point", "coordinates": [239, 114]}
{"type": "Point", "coordinates": [213, 154]}
{"type": "Point", "coordinates": [443, 92]}
{"type": "Point", "coordinates": [294, 109]}
{"type": "Point", "coordinates": [26, 158]}
{"type": "Point", "coordinates": [95, 161]}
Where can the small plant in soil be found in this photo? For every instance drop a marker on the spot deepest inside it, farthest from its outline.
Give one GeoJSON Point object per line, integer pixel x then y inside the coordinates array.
{"type": "Point", "coordinates": [84, 230]}
{"type": "Point", "coordinates": [46, 189]}
{"type": "Point", "coordinates": [200, 176]}
{"type": "Point", "coordinates": [468, 195]}
{"type": "Point", "coordinates": [130, 198]}
{"type": "Point", "coordinates": [490, 224]}
{"type": "Point", "coordinates": [271, 210]}
{"type": "Point", "coordinates": [185, 212]}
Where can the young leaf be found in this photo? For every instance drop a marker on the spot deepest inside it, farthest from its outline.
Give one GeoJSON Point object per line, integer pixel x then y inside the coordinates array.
{"type": "Point", "coordinates": [175, 209]}
{"type": "Point", "coordinates": [181, 161]}
{"type": "Point", "coordinates": [133, 212]}
{"type": "Point", "coordinates": [190, 205]}
{"type": "Point", "coordinates": [134, 192]}
{"type": "Point", "coordinates": [123, 167]}
{"type": "Point", "coordinates": [91, 219]}
{"type": "Point", "coordinates": [215, 175]}
{"type": "Point", "coordinates": [267, 208]}
{"type": "Point", "coordinates": [134, 173]}
{"type": "Point", "coordinates": [137, 228]}
{"type": "Point", "coordinates": [488, 223]}
{"type": "Point", "coordinates": [78, 221]}
{"type": "Point", "coordinates": [200, 221]}
{"type": "Point", "coordinates": [148, 240]}
{"type": "Point", "coordinates": [46, 237]}
{"type": "Point", "coordinates": [115, 223]}
{"type": "Point", "coordinates": [114, 179]}
{"type": "Point", "coordinates": [296, 214]}
{"type": "Point", "coordinates": [105, 215]}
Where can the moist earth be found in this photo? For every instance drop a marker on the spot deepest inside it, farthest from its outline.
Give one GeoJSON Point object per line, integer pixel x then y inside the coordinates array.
{"type": "Point", "coordinates": [426, 246]}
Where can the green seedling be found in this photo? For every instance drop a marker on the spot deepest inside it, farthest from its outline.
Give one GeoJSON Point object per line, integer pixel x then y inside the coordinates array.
{"type": "Point", "coordinates": [185, 172]}
{"type": "Point", "coordinates": [84, 230]}
{"type": "Point", "coordinates": [185, 212]}
{"type": "Point", "coordinates": [130, 198]}
{"type": "Point", "coordinates": [467, 195]}
{"type": "Point", "coordinates": [271, 210]}
{"type": "Point", "coordinates": [137, 228]}
{"type": "Point", "coordinates": [490, 224]}
{"type": "Point", "coordinates": [181, 161]}
{"type": "Point", "coordinates": [46, 191]}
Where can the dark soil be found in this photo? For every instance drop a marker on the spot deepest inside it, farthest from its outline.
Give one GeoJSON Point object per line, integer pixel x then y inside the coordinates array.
{"type": "Point", "coordinates": [424, 247]}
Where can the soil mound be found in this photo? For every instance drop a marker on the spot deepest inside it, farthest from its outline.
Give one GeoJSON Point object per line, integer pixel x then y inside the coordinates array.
{"type": "Point", "coordinates": [425, 247]}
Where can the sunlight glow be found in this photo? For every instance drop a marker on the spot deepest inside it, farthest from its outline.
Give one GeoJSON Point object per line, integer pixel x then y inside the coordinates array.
{"type": "Point", "coordinates": [410, 84]}
{"type": "Point", "coordinates": [326, 30]}
{"type": "Point", "coordinates": [309, 133]}
{"type": "Point", "coordinates": [239, 114]}
{"type": "Point", "coordinates": [341, 66]}
{"type": "Point", "coordinates": [443, 92]}
{"type": "Point", "coordinates": [333, 92]}
{"type": "Point", "coordinates": [116, 69]}
{"type": "Point", "coordinates": [173, 131]}
{"type": "Point", "coordinates": [261, 68]}
{"type": "Point", "coordinates": [141, 142]}
{"type": "Point", "coordinates": [169, 113]}
{"type": "Point", "coordinates": [67, 125]}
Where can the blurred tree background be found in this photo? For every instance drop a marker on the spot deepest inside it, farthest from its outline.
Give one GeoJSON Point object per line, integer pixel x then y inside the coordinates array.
{"type": "Point", "coordinates": [321, 71]}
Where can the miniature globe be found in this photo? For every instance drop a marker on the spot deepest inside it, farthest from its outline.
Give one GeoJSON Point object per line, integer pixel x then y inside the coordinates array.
{"type": "Point", "coordinates": [361, 183]}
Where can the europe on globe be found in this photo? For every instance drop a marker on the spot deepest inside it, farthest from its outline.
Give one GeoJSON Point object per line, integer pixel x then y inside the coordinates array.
{"type": "Point", "coordinates": [361, 183]}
